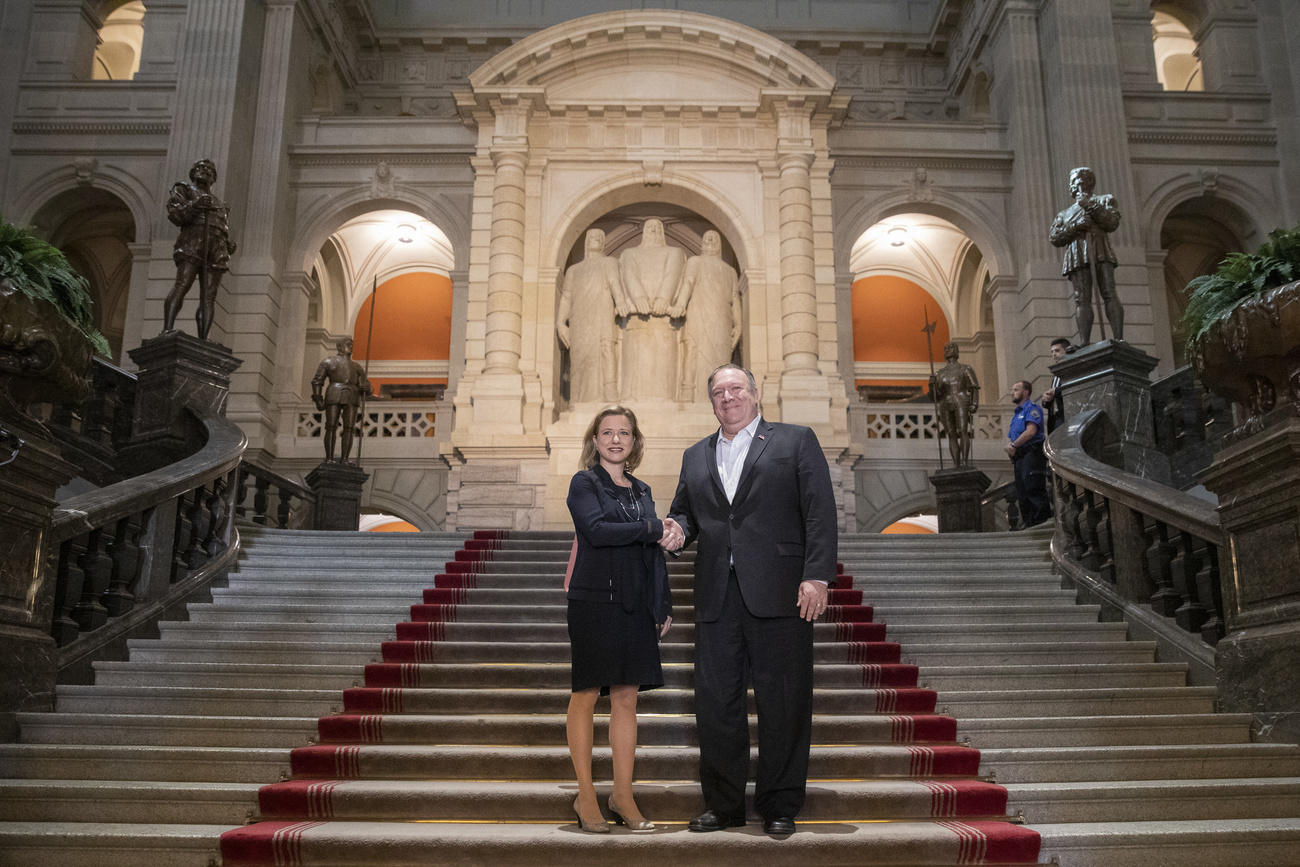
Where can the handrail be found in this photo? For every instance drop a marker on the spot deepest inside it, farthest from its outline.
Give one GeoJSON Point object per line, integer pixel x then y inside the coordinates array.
{"type": "Point", "coordinates": [294, 502]}
{"type": "Point", "coordinates": [1150, 550]}
{"type": "Point", "coordinates": [140, 541]}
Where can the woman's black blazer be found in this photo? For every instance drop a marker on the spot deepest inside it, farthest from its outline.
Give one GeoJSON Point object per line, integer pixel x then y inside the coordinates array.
{"type": "Point", "coordinates": [619, 559]}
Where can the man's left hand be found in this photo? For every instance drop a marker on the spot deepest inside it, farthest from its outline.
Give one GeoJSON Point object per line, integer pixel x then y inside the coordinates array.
{"type": "Point", "coordinates": [812, 599]}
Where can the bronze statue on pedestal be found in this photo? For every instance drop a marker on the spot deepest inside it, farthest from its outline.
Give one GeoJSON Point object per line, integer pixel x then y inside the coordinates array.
{"type": "Point", "coordinates": [1082, 229]}
{"type": "Point", "coordinates": [956, 391]}
{"type": "Point", "coordinates": [348, 386]}
{"type": "Point", "coordinates": [203, 246]}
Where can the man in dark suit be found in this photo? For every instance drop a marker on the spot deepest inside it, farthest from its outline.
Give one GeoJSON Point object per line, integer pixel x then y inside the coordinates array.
{"type": "Point", "coordinates": [758, 498]}
{"type": "Point", "coordinates": [1051, 399]}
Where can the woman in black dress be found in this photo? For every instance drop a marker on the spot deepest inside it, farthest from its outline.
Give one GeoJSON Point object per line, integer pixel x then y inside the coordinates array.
{"type": "Point", "coordinates": [619, 607]}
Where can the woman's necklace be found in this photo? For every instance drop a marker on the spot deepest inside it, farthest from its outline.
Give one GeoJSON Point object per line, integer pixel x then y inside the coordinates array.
{"type": "Point", "coordinates": [632, 508]}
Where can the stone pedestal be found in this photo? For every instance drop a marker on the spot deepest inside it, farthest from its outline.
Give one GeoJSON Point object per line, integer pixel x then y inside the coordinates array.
{"type": "Point", "coordinates": [27, 651]}
{"type": "Point", "coordinates": [1257, 481]}
{"type": "Point", "coordinates": [178, 371]}
{"type": "Point", "coordinates": [957, 494]}
{"type": "Point", "coordinates": [1113, 376]}
{"type": "Point", "coordinates": [338, 495]}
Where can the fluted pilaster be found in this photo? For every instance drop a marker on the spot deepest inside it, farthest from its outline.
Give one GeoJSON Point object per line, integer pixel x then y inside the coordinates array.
{"type": "Point", "coordinates": [504, 322]}
{"type": "Point", "coordinates": [268, 160]}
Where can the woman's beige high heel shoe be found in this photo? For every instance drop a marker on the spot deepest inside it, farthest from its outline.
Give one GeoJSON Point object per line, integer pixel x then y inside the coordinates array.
{"type": "Point", "coordinates": [601, 827]}
{"type": "Point", "coordinates": [639, 827]}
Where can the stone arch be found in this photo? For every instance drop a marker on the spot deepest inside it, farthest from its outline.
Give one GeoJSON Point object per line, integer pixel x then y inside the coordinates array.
{"type": "Point", "coordinates": [973, 218]}
{"type": "Point", "coordinates": [325, 217]}
{"type": "Point", "coordinates": [886, 495]}
{"type": "Point", "coordinates": [747, 54]}
{"type": "Point", "coordinates": [122, 185]}
{"type": "Point", "coordinates": [1258, 210]}
{"type": "Point", "coordinates": [629, 188]}
{"type": "Point", "coordinates": [417, 496]}
{"type": "Point", "coordinates": [96, 232]}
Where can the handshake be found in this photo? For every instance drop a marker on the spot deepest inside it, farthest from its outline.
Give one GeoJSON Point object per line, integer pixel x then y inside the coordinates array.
{"type": "Point", "coordinates": [674, 536]}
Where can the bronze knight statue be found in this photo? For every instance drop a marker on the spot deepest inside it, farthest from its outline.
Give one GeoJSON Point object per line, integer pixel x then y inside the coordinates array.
{"type": "Point", "coordinates": [341, 401]}
{"type": "Point", "coordinates": [956, 391]}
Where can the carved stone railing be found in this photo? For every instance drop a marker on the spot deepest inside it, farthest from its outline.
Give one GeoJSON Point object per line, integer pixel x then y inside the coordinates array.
{"type": "Point", "coordinates": [1145, 551]}
{"type": "Point", "coordinates": [122, 554]}
{"type": "Point", "coordinates": [1187, 422]}
{"type": "Point", "coordinates": [265, 497]}
{"type": "Point", "coordinates": [389, 428]}
{"type": "Point", "coordinates": [916, 421]}
{"type": "Point", "coordinates": [91, 433]}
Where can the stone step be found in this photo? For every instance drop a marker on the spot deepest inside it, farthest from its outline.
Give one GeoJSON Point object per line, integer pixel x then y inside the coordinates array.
{"type": "Point", "coordinates": [978, 704]}
{"type": "Point", "coordinates": [1157, 800]}
{"type": "Point", "coordinates": [169, 700]}
{"type": "Point", "coordinates": [979, 649]}
{"type": "Point", "coordinates": [104, 844]}
{"type": "Point", "coordinates": [142, 762]}
{"type": "Point", "coordinates": [166, 730]}
{"type": "Point", "coordinates": [419, 844]}
{"type": "Point", "coordinates": [468, 728]}
{"type": "Point", "coordinates": [339, 676]}
{"type": "Point", "coordinates": [1195, 843]}
{"type": "Point", "coordinates": [1118, 729]}
{"type": "Point", "coordinates": [419, 761]}
{"type": "Point", "coordinates": [1140, 762]}
{"type": "Point", "coordinates": [148, 802]}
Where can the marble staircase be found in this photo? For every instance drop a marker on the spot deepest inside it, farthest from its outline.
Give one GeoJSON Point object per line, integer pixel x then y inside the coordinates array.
{"type": "Point", "coordinates": [1106, 752]}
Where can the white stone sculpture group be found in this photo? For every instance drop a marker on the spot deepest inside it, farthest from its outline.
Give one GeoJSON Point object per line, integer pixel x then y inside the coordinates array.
{"type": "Point", "coordinates": [675, 318]}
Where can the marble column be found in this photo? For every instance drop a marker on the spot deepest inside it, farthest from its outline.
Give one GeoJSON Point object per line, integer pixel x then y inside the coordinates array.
{"type": "Point", "coordinates": [798, 284]}
{"type": "Point", "coordinates": [505, 296]}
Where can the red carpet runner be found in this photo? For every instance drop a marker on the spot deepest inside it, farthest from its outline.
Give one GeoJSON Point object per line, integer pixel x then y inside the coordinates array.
{"type": "Point", "coordinates": [370, 756]}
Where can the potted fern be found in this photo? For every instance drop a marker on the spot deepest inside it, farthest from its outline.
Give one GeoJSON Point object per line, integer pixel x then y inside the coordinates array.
{"type": "Point", "coordinates": [47, 331]}
{"type": "Point", "coordinates": [1243, 328]}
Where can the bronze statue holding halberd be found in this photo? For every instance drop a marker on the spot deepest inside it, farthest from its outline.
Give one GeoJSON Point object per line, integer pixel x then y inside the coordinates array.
{"type": "Point", "coordinates": [956, 391]}
{"type": "Point", "coordinates": [343, 398]}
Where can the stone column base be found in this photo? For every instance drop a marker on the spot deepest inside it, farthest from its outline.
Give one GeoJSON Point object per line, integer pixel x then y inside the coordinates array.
{"type": "Point", "coordinates": [957, 493]}
{"type": "Point", "coordinates": [178, 371]}
{"type": "Point", "coordinates": [1113, 376]}
{"type": "Point", "coordinates": [27, 649]}
{"type": "Point", "coordinates": [1258, 661]}
{"type": "Point", "coordinates": [338, 495]}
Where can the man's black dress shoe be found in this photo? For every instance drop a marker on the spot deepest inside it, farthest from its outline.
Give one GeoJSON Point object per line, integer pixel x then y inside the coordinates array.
{"type": "Point", "coordinates": [781, 826]}
{"type": "Point", "coordinates": [711, 821]}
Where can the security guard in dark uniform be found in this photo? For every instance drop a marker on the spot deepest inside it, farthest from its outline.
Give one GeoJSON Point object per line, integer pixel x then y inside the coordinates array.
{"type": "Point", "coordinates": [1025, 448]}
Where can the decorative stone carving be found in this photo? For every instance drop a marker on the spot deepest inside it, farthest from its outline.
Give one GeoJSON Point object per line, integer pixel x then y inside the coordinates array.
{"type": "Point", "coordinates": [591, 297]}
{"type": "Point", "coordinates": [651, 274]}
{"type": "Point", "coordinates": [203, 247]}
{"type": "Point", "coordinates": [709, 301]}
{"type": "Point", "coordinates": [1082, 229]}
{"type": "Point", "coordinates": [381, 185]}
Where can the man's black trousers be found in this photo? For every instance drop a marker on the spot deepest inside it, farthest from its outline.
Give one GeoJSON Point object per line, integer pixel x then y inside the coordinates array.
{"type": "Point", "coordinates": [776, 654]}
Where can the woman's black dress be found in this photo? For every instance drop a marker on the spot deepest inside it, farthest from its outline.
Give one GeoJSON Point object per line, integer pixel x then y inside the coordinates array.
{"type": "Point", "coordinates": [618, 592]}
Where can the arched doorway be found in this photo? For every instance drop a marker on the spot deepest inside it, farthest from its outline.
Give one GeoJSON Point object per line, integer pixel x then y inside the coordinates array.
{"type": "Point", "coordinates": [95, 229]}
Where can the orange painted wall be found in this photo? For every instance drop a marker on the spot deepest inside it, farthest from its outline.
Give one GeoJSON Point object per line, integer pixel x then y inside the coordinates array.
{"type": "Point", "coordinates": [888, 314]}
{"type": "Point", "coordinates": [412, 319]}
{"type": "Point", "coordinates": [395, 527]}
{"type": "Point", "coordinates": [904, 528]}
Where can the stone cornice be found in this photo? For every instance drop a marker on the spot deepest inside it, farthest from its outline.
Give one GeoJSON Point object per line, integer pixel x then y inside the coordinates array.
{"type": "Point", "coordinates": [93, 127]}
{"type": "Point", "coordinates": [989, 162]}
{"type": "Point", "coordinates": [331, 156]}
{"type": "Point", "coordinates": [1201, 137]}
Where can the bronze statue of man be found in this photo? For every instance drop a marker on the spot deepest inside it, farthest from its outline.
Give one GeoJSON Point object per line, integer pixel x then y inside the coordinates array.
{"type": "Point", "coordinates": [1082, 229]}
{"type": "Point", "coordinates": [203, 246]}
{"type": "Point", "coordinates": [956, 391]}
{"type": "Point", "coordinates": [340, 402]}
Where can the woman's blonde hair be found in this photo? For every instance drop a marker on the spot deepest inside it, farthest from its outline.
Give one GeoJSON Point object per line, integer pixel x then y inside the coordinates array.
{"type": "Point", "coordinates": [589, 456]}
